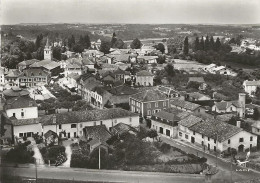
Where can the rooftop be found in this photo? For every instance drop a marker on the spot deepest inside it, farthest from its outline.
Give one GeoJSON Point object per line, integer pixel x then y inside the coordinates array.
{"type": "Point", "coordinates": [144, 73]}
{"type": "Point", "coordinates": [189, 121]}
{"type": "Point", "coordinates": [215, 129]}
{"type": "Point", "coordinates": [184, 104]}
{"type": "Point", "coordinates": [97, 132]}
{"type": "Point", "coordinates": [19, 102]}
{"type": "Point", "coordinates": [196, 79]}
{"type": "Point", "coordinates": [149, 95]}
{"type": "Point", "coordinates": [252, 83]}
{"type": "Point", "coordinates": [86, 116]}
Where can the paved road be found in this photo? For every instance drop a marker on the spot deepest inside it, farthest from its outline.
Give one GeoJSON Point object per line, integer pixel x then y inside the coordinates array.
{"type": "Point", "coordinates": [103, 175]}
{"type": "Point", "coordinates": [224, 167]}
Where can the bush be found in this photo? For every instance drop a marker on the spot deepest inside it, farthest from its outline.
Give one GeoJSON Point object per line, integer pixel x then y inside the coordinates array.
{"type": "Point", "coordinates": [79, 160]}
{"type": "Point", "coordinates": [20, 154]}
{"type": "Point", "coordinates": [165, 148]}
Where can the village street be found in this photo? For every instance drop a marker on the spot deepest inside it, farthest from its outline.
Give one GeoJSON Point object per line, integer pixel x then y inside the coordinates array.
{"type": "Point", "coordinates": [102, 175]}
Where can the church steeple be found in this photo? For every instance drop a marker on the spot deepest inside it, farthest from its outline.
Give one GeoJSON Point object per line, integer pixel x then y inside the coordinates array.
{"type": "Point", "coordinates": [47, 51]}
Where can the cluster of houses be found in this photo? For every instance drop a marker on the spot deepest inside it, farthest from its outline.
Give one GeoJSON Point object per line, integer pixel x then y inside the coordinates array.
{"type": "Point", "coordinates": [106, 81]}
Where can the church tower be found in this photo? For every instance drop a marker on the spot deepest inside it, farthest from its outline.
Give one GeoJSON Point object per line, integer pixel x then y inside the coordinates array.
{"type": "Point", "coordinates": [47, 51]}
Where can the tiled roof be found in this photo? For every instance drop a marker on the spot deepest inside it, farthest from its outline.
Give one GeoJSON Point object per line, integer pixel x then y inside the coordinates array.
{"type": "Point", "coordinates": [85, 116]}
{"type": "Point", "coordinates": [223, 105]}
{"type": "Point", "coordinates": [97, 132]}
{"type": "Point", "coordinates": [149, 95]}
{"type": "Point", "coordinates": [87, 61]}
{"type": "Point", "coordinates": [41, 63]}
{"type": "Point", "coordinates": [122, 127]}
{"type": "Point", "coordinates": [179, 113]}
{"type": "Point", "coordinates": [19, 102]}
{"type": "Point", "coordinates": [189, 121]}
{"type": "Point", "coordinates": [28, 62]}
{"type": "Point", "coordinates": [166, 115]}
{"type": "Point", "coordinates": [51, 65]}
{"type": "Point", "coordinates": [144, 73]}
{"type": "Point", "coordinates": [120, 71]}
{"type": "Point", "coordinates": [215, 129]}
{"type": "Point", "coordinates": [252, 83]}
{"type": "Point", "coordinates": [184, 104]}
{"type": "Point", "coordinates": [15, 92]}
{"type": "Point", "coordinates": [196, 79]}
{"type": "Point", "coordinates": [35, 72]}
{"type": "Point", "coordinates": [122, 90]}
{"type": "Point", "coordinates": [21, 122]}
{"type": "Point", "coordinates": [49, 133]}
{"type": "Point", "coordinates": [198, 95]}
{"type": "Point", "coordinates": [13, 73]}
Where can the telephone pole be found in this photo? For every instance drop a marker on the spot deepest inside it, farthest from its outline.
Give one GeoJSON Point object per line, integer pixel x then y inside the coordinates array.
{"type": "Point", "coordinates": [36, 170]}
{"type": "Point", "coordinates": [98, 155]}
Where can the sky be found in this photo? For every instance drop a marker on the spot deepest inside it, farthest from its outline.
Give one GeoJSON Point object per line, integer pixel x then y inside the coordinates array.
{"type": "Point", "coordinates": [131, 11]}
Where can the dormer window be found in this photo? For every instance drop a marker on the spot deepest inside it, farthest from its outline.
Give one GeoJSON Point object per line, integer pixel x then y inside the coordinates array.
{"type": "Point", "coordinates": [32, 74]}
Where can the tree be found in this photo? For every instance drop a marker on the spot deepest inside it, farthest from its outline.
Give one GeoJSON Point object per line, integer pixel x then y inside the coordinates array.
{"type": "Point", "coordinates": [196, 44]}
{"type": "Point", "coordinates": [169, 70]}
{"type": "Point", "coordinates": [67, 105]}
{"type": "Point", "coordinates": [256, 114]}
{"type": "Point", "coordinates": [186, 46]}
{"type": "Point", "coordinates": [160, 47]}
{"type": "Point", "coordinates": [87, 42]}
{"type": "Point", "coordinates": [211, 43]}
{"type": "Point", "coordinates": [207, 44]}
{"type": "Point", "coordinates": [152, 133]}
{"type": "Point", "coordinates": [113, 40]}
{"type": "Point", "coordinates": [201, 43]}
{"type": "Point", "coordinates": [105, 46]}
{"type": "Point", "coordinates": [119, 44]}
{"type": "Point", "coordinates": [2, 127]}
{"type": "Point", "coordinates": [161, 59]}
{"type": "Point", "coordinates": [217, 45]}
{"type": "Point", "coordinates": [136, 44]}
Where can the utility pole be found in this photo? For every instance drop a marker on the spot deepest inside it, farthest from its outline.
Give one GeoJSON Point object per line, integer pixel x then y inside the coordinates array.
{"type": "Point", "coordinates": [98, 155]}
{"type": "Point", "coordinates": [231, 169]}
{"type": "Point", "coordinates": [216, 151]}
{"type": "Point", "coordinates": [35, 170]}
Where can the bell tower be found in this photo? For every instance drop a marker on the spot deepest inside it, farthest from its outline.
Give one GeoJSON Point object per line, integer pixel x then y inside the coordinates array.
{"type": "Point", "coordinates": [47, 51]}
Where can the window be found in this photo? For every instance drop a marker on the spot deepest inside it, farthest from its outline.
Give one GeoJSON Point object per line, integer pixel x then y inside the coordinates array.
{"type": "Point", "coordinates": [75, 134]}
{"type": "Point", "coordinates": [208, 139]}
{"type": "Point", "coordinates": [20, 134]}
{"type": "Point", "coordinates": [215, 141]}
{"type": "Point", "coordinates": [101, 122]}
{"type": "Point", "coordinates": [73, 125]}
{"type": "Point", "coordinates": [215, 149]}
{"type": "Point", "coordinates": [148, 112]}
{"type": "Point", "coordinates": [202, 143]}
{"type": "Point", "coordinates": [186, 136]}
{"type": "Point", "coordinates": [80, 125]}
{"type": "Point", "coordinates": [193, 133]}
{"type": "Point", "coordinates": [241, 139]}
{"type": "Point", "coordinates": [156, 104]}
{"type": "Point", "coordinates": [202, 136]}
{"type": "Point", "coordinates": [59, 126]}
{"type": "Point", "coordinates": [251, 146]}
{"type": "Point", "coordinates": [180, 134]}
{"type": "Point", "coordinates": [251, 138]}
{"type": "Point", "coordinates": [22, 114]}
{"type": "Point", "coordinates": [228, 141]}
{"type": "Point", "coordinates": [149, 105]}
{"type": "Point", "coordinates": [258, 130]}
{"type": "Point", "coordinates": [164, 104]}
{"type": "Point", "coordinates": [13, 114]}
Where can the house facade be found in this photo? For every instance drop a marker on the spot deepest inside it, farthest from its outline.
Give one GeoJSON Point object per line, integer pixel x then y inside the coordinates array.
{"type": "Point", "coordinates": [144, 78]}
{"type": "Point", "coordinates": [148, 102]}
{"type": "Point", "coordinates": [251, 86]}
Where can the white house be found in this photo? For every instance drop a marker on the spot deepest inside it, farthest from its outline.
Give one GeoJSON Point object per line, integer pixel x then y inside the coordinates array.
{"type": "Point", "coordinates": [26, 127]}
{"type": "Point", "coordinates": [72, 124]}
{"type": "Point", "coordinates": [144, 78]}
{"type": "Point", "coordinates": [232, 106]}
{"type": "Point", "coordinates": [251, 86]}
{"type": "Point", "coordinates": [22, 107]}
{"type": "Point", "coordinates": [2, 76]}
{"type": "Point", "coordinates": [165, 122]}
{"type": "Point", "coordinates": [216, 135]}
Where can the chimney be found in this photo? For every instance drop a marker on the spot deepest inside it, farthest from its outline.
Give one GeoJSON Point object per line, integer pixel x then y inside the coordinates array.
{"type": "Point", "coordinates": [238, 124]}
{"type": "Point", "coordinates": [242, 101]}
